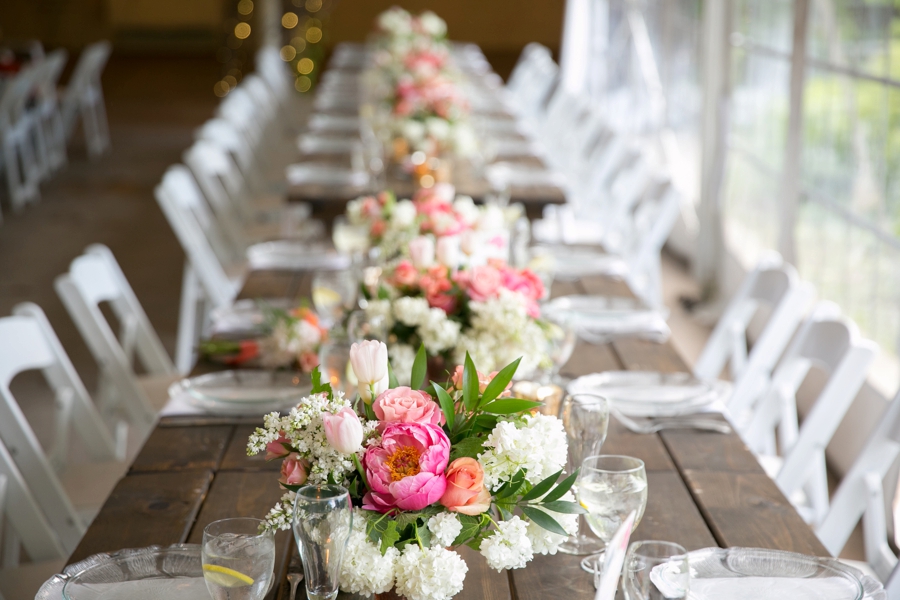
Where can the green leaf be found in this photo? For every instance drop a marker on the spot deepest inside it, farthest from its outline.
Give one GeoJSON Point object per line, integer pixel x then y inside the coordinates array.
{"type": "Point", "coordinates": [561, 506]}
{"type": "Point", "coordinates": [500, 381]}
{"type": "Point", "coordinates": [392, 379]}
{"type": "Point", "coordinates": [542, 488]}
{"type": "Point", "coordinates": [446, 403]}
{"type": "Point", "coordinates": [470, 528]}
{"type": "Point", "coordinates": [419, 369]}
{"type": "Point", "coordinates": [505, 513]}
{"type": "Point", "coordinates": [423, 534]}
{"type": "Point", "coordinates": [318, 386]}
{"type": "Point", "coordinates": [512, 486]}
{"type": "Point", "coordinates": [390, 536]}
{"type": "Point", "coordinates": [383, 293]}
{"type": "Point", "coordinates": [370, 412]}
{"type": "Point", "coordinates": [470, 383]}
{"type": "Point", "coordinates": [507, 406]}
{"type": "Point", "coordinates": [543, 520]}
{"type": "Point", "coordinates": [562, 488]}
{"type": "Point", "coordinates": [470, 446]}
{"type": "Point", "coordinates": [486, 422]}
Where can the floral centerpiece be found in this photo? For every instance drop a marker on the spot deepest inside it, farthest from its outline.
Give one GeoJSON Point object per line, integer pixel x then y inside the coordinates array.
{"type": "Point", "coordinates": [429, 469]}
{"type": "Point", "coordinates": [293, 339]}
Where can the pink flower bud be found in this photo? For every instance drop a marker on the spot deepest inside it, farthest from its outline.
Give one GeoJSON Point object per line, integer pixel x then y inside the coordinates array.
{"type": "Point", "coordinates": [343, 431]}
{"type": "Point", "coordinates": [294, 470]}
{"type": "Point", "coordinates": [277, 448]}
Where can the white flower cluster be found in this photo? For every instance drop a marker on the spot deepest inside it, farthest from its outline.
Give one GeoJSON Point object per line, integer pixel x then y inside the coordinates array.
{"type": "Point", "coordinates": [364, 569]}
{"type": "Point", "coordinates": [536, 444]}
{"type": "Point", "coordinates": [444, 528]}
{"type": "Point", "coordinates": [304, 428]}
{"type": "Point", "coordinates": [402, 358]}
{"type": "Point", "coordinates": [501, 332]}
{"type": "Point", "coordinates": [429, 574]}
{"type": "Point", "coordinates": [281, 515]}
{"type": "Point", "coordinates": [437, 332]}
{"type": "Point", "coordinates": [396, 22]}
{"type": "Point", "coordinates": [547, 542]}
{"type": "Point", "coordinates": [288, 341]}
{"type": "Point", "coordinates": [509, 547]}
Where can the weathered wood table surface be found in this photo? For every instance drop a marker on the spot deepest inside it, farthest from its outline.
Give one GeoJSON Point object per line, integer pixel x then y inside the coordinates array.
{"type": "Point", "coordinates": [705, 489]}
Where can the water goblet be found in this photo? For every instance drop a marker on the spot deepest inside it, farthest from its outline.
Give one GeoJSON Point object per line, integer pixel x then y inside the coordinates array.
{"type": "Point", "coordinates": [334, 293]}
{"type": "Point", "coordinates": [349, 238]}
{"type": "Point", "coordinates": [585, 418]}
{"type": "Point", "coordinates": [642, 558]}
{"type": "Point", "coordinates": [610, 487]}
{"type": "Point", "coordinates": [322, 521]}
{"type": "Point", "coordinates": [238, 559]}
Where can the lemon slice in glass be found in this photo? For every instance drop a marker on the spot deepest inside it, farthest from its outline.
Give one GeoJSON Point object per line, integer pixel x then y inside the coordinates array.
{"type": "Point", "coordinates": [225, 577]}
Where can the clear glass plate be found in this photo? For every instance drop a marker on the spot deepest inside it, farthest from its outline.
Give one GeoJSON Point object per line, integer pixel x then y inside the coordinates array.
{"type": "Point", "coordinates": [759, 574]}
{"type": "Point", "coordinates": [285, 254]}
{"type": "Point", "coordinates": [244, 389]}
{"type": "Point", "coordinates": [650, 393]}
{"type": "Point", "coordinates": [574, 261]}
{"type": "Point", "coordinates": [604, 313]}
{"type": "Point", "coordinates": [153, 573]}
{"type": "Point", "coordinates": [245, 317]}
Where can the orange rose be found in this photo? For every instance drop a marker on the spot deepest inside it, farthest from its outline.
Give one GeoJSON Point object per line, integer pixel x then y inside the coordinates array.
{"type": "Point", "coordinates": [465, 492]}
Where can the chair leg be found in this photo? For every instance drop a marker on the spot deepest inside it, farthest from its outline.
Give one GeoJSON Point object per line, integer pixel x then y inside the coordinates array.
{"type": "Point", "coordinates": [188, 321]}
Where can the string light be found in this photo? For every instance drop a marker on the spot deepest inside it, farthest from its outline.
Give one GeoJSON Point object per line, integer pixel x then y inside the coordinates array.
{"type": "Point", "coordinates": [232, 54]}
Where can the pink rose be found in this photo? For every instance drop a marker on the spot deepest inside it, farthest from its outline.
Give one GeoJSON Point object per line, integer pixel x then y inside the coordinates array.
{"type": "Point", "coordinates": [308, 361]}
{"type": "Point", "coordinates": [406, 469]}
{"type": "Point", "coordinates": [465, 491]}
{"type": "Point", "coordinates": [525, 282]}
{"type": "Point", "coordinates": [406, 405]}
{"type": "Point", "coordinates": [445, 302]}
{"type": "Point", "coordinates": [483, 380]}
{"type": "Point", "coordinates": [377, 228]}
{"type": "Point", "coordinates": [482, 283]}
{"type": "Point", "coordinates": [294, 470]}
{"type": "Point", "coordinates": [405, 274]}
{"type": "Point", "coordinates": [278, 448]}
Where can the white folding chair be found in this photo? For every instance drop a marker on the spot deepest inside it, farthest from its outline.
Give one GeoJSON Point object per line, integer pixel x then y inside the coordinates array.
{"type": "Point", "coordinates": [773, 286]}
{"type": "Point", "coordinates": [96, 277]}
{"type": "Point", "coordinates": [68, 504]}
{"type": "Point", "coordinates": [83, 96]}
{"type": "Point", "coordinates": [531, 80]}
{"type": "Point", "coordinates": [18, 127]}
{"type": "Point", "coordinates": [794, 454]}
{"type": "Point", "coordinates": [213, 271]}
{"type": "Point", "coordinates": [861, 495]}
{"type": "Point", "coordinates": [50, 132]}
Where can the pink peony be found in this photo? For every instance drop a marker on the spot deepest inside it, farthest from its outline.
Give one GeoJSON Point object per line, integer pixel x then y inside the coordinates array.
{"type": "Point", "coordinates": [405, 274]}
{"type": "Point", "coordinates": [406, 469]}
{"type": "Point", "coordinates": [294, 470]}
{"type": "Point", "coordinates": [277, 448]}
{"type": "Point", "coordinates": [406, 405]}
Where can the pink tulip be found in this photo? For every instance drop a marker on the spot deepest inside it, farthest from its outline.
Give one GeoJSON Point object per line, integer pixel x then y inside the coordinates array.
{"type": "Point", "coordinates": [343, 431]}
{"type": "Point", "coordinates": [406, 469]}
{"type": "Point", "coordinates": [448, 251]}
{"type": "Point", "coordinates": [421, 252]}
{"type": "Point", "coordinates": [278, 448]}
{"type": "Point", "coordinates": [294, 470]}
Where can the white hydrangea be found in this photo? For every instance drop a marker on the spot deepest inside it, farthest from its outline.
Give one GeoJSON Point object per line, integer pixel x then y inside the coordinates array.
{"type": "Point", "coordinates": [444, 528]}
{"type": "Point", "coordinates": [364, 569]}
{"type": "Point", "coordinates": [438, 333]}
{"type": "Point", "coordinates": [547, 542]}
{"type": "Point", "coordinates": [402, 358]}
{"type": "Point", "coordinates": [411, 311]}
{"type": "Point", "coordinates": [404, 214]}
{"type": "Point", "coordinates": [429, 574]}
{"type": "Point", "coordinates": [537, 444]}
{"type": "Point", "coordinates": [509, 547]}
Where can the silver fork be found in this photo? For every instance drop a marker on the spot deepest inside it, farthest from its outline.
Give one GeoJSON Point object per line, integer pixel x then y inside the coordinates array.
{"type": "Point", "coordinates": [294, 579]}
{"type": "Point", "coordinates": [653, 425]}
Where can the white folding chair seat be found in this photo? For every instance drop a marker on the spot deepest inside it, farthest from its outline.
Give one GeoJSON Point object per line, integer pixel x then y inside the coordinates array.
{"type": "Point", "coordinates": [795, 453]}
{"type": "Point", "coordinates": [30, 343]}
{"type": "Point", "coordinates": [213, 271]}
{"type": "Point", "coordinates": [773, 286]}
{"type": "Point", "coordinates": [96, 277]}
{"type": "Point", "coordinates": [83, 95]}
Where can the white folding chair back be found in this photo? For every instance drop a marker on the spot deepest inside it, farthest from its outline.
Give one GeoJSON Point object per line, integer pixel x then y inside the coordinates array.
{"type": "Point", "coordinates": [49, 131]}
{"type": "Point", "coordinates": [205, 277]}
{"type": "Point", "coordinates": [84, 95]}
{"type": "Point", "coordinates": [832, 344]}
{"type": "Point", "coordinates": [861, 495]}
{"type": "Point", "coordinates": [30, 343]}
{"type": "Point", "coordinates": [531, 79]}
{"type": "Point", "coordinates": [96, 277]}
{"type": "Point", "coordinates": [18, 128]}
{"type": "Point", "coordinates": [775, 285]}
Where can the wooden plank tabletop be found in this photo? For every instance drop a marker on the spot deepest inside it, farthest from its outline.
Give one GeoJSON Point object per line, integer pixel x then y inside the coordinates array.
{"type": "Point", "coordinates": [705, 489]}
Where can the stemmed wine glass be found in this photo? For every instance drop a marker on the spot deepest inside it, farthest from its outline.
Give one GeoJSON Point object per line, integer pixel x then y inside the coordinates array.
{"type": "Point", "coordinates": [334, 293]}
{"type": "Point", "coordinates": [585, 418]}
{"type": "Point", "coordinates": [610, 487]}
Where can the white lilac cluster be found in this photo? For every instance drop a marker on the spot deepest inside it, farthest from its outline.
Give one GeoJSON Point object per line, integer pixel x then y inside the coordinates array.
{"type": "Point", "coordinates": [444, 528]}
{"type": "Point", "coordinates": [509, 547]}
{"type": "Point", "coordinates": [429, 573]}
{"type": "Point", "coordinates": [281, 515]}
{"type": "Point", "coordinates": [364, 569]}
{"type": "Point", "coordinates": [502, 331]}
{"type": "Point", "coordinates": [536, 443]}
{"type": "Point", "coordinates": [437, 332]}
{"type": "Point", "coordinates": [544, 541]}
{"type": "Point", "coordinates": [304, 429]}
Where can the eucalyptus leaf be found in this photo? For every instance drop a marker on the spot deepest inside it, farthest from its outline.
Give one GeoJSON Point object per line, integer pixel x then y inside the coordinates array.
{"type": "Point", "coordinates": [542, 488]}
{"type": "Point", "coordinates": [562, 488]}
{"type": "Point", "coordinates": [507, 406]}
{"type": "Point", "coordinates": [419, 369]}
{"type": "Point", "coordinates": [543, 520]}
{"type": "Point", "coordinates": [562, 506]}
{"type": "Point", "coordinates": [512, 486]}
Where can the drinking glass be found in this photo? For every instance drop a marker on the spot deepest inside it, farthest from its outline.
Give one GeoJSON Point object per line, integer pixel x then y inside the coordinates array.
{"type": "Point", "coordinates": [585, 418]}
{"type": "Point", "coordinates": [237, 559]}
{"type": "Point", "coordinates": [350, 239]}
{"type": "Point", "coordinates": [322, 521]}
{"type": "Point", "coordinates": [561, 340]}
{"type": "Point", "coordinates": [640, 560]}
{"type": "Point", "coordinates": [611, 487]}
{"type": "Point", "coordinates": [334, 361]}
{"type": "Point", "coordinates": [334, 293]}
{"type": "Point", "coordinates": [361, 326]}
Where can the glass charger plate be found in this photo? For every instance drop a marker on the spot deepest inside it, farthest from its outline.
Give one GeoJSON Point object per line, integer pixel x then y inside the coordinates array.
{"type": "Point", "coordinates": [603, 313]}
{"type": "Point", "coordinates": [247, 391]}
{"type": "Point", "coordinates": [295, 256]}
{"type": "Point", "coordinates": [153, 573]}
{"type": "Point", "coordinates": [649, 393]}
{"type": "Point", "coordinates": [571, 261]}
{"type": "Point", "coordinates": [245, 317]}
{"type": "Point", "coordinates": [759, 574]}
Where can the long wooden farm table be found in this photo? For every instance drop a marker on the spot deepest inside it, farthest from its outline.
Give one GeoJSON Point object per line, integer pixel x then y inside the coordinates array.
{"type": "Point", "coordinates": [705, 489]}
